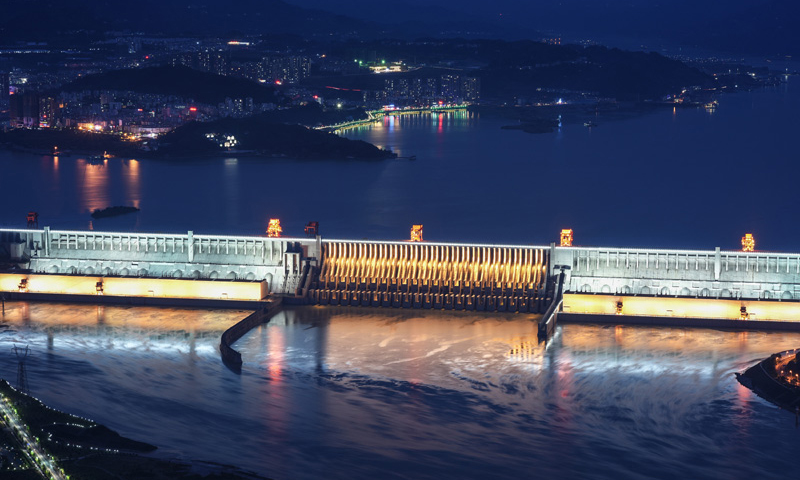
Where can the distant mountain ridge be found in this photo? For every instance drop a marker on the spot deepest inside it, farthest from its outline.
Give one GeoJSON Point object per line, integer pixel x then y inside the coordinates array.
{"type": "Point", "coordinates": [738, 26]}
{"type": "Point", "coordinates": [42, 19]}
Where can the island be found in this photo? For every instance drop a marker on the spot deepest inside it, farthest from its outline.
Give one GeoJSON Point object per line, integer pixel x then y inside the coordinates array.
{"type": "Point", "coordinates": [257, 135]}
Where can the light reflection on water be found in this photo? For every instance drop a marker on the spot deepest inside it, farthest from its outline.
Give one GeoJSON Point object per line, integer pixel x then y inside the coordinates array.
{"type": "Point", "coordinates": [366, 393]}
{"type": "Point", "coordinates": [92, 182]}
{"type": "Point", "coordinates": [471, 182]}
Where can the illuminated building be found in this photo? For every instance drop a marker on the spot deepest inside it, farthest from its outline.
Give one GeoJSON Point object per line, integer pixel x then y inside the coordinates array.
{"type": "Point", "coordinates": [566, 237]}
{"type": "Point", "coordinates": [47, 112]}
{"type": "Point", "coordinates": [205, 61]}
{"type": "Point", "coordinates": [748, 243]}
{"type": "Point", "coordinates": [416, 233]}
{"type": "Point", "coordinates": [286, 69]}
{"type": "Point", "coordinates": [274, 228]}
{"type": "Point", "coordinates": [4, 89]}
{"type": "Point", "coordinates": [471, 89]}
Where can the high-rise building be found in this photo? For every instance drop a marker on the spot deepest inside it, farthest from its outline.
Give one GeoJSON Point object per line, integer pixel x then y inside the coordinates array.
{"type": "Point", "coordinates": [24, 110]}
{"type": "Point", "coordinates": [450, 86]}
{"type": "Point", "coordinates": [4, 87]}
{"type": "Point", "coordinates": [286, 69]}
{"type": "Point", "coordinates": [205, 61]}
{"type": "Point", "coordinates": [47, 112]}
{"type": "Point", "coordinates": [4, 100]}
{"type": "Point", "coordinates": [471, 91]}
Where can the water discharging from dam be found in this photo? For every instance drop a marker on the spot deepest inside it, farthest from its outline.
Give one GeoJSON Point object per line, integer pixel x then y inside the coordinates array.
{"type": "Point", "coordinates": [414, 275]}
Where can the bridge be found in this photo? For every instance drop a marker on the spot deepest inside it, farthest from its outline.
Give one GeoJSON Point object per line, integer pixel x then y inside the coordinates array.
{"type": "Point", "coordinates": [733, 285]}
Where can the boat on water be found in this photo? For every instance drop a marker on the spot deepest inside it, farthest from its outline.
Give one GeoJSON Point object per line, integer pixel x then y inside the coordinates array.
{"type": "Point", "coordinates": [589, 124]}
{"type": "Point", "coordinates": [99, 159]}
{"type": "Point", "coordinates": [55, 152]}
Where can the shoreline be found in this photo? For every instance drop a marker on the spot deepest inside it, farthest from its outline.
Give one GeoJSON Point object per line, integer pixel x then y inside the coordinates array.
{"type": "Point", "coordinates": [203, 156]}
{"type": "Point", "coordinates": [762, 380]}
{"type": "Point", "coordinates": [66, 446]}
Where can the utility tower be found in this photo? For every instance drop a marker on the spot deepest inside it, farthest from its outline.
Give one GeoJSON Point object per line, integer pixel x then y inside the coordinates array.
{"type": "Point", "coordinates": [22, 375]}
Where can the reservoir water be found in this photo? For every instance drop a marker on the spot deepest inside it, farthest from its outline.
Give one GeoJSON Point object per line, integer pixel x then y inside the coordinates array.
{"type": "Point", "coordinates": [682, 178]}
{"type": "Point", "coordinates": [374, 393]}
{"type": "Point", "coordinates": [361, 393]}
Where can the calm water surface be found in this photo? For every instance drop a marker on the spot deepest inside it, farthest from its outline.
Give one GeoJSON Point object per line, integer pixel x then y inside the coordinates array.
{"type": "Point", "coordinates": [355, 393]}
{"type": "Point", "coordinates": [687, 178]}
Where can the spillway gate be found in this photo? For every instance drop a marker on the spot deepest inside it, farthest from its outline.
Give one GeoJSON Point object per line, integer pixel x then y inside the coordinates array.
{"type": "Point", "coordinates": [431, 275]}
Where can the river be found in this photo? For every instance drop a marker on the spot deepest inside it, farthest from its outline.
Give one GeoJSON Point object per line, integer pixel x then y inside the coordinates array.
{"type": "Point", "coordinates": [360, 393]}
{"type": "Point", "coordinates": [671, 178]}
{"type": "Point", "coordinates": [373, 393]}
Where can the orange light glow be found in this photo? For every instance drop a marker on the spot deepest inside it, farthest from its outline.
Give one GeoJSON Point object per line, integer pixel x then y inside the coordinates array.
{"type": "Point", "coordinates": [748, 243]}
{"type": "Point", "coordinates": [750, 310]}
{"type": "Point", "coordinates": [425, 262]}
{"type": "Point", "coordinates": [566, 237]}
{"type": "Point", "coordinates": [274, 228]}
{"type": "Point", "coordinates": [133, 287]}
{"type": "Point", "coordinates": [416, 233]}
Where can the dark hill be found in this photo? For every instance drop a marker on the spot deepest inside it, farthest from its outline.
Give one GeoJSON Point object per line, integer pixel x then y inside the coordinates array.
{"type": "Point", "coordinates": [179, 81]}
{"type": "Point", "coordinates": [265, 137]}
{"type": "Point", "coordinates": [610, 72]}
{"type": "Point", "coordinates": [520, 67]}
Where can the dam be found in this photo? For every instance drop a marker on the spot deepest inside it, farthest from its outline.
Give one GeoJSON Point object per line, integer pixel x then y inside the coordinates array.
{"type": "Point", "coordinates": [574, 281]}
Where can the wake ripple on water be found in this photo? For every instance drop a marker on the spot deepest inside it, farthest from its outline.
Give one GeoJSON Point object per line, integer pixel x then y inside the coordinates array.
{"type": "Point", "coordinates": [472, 396]}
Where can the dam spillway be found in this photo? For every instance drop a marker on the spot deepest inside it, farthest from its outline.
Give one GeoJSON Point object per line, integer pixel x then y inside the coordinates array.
{"type": "Point", "coordinates": [431, 275]}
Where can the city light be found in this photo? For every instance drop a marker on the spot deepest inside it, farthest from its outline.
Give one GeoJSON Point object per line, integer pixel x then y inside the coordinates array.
{"type": "Point", "coordinates": [700, 308]}
{"type": "Point", "coordinates": [133, 287]}
{"type": "Point", "coordinates": [274, 228]}
{"type": "Point", "coordinates": [416, 233]}
{"type": "Point", "coordinates": [748, 243]}
{"type": "Point", "coordinates": [566, 237]}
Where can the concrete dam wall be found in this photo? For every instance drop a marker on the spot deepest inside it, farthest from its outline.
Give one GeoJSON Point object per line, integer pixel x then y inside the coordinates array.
{"type": "Point", "coordinates": [685, 273]}
{"type": "Point", "coordinates": [431, 275]}
{"type": "Point", "coordinates": [402, 274]}
{"type": "Point", "coordinates": [279, 262]}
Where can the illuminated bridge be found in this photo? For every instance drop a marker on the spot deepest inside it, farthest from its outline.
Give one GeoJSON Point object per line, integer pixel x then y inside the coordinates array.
{"type": "Point", "coordinates": [505, 278]}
